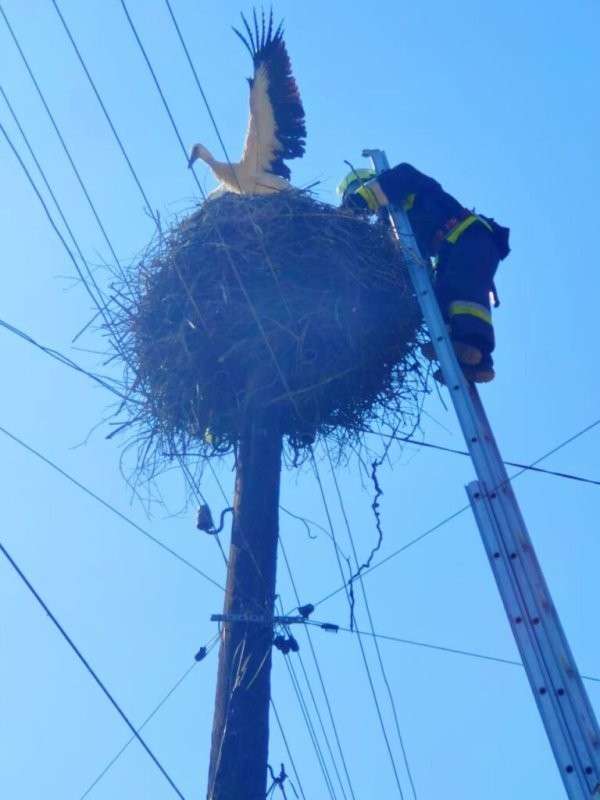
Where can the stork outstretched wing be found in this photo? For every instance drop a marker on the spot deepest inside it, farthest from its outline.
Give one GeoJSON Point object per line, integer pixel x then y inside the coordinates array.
{"type": "Point", "coordinates": [276, 128]}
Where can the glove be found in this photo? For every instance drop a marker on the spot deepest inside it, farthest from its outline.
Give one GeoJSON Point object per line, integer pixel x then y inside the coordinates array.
{"type": "Point", "coordinates": [367, 198]}
{"type": "Point", "coordinates": [356, 202]}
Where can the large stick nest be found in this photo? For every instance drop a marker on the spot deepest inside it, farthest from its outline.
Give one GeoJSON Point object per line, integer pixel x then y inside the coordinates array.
{"type": "Point", "coordinates": [276, 304]}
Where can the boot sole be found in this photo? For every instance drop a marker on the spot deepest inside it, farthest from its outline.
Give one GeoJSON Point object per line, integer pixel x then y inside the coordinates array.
{"type": "Point", "coordinates": [466, 353]}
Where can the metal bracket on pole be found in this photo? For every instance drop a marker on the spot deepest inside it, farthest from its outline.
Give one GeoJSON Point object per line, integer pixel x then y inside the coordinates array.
{"type": "Point", "coordinates": [258, 620]}
{"type": "Point", "coordinates": [559, 692]}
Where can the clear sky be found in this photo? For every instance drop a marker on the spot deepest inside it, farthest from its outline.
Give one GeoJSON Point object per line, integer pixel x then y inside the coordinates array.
{"type": "Point", "coordinates": [498, 101]}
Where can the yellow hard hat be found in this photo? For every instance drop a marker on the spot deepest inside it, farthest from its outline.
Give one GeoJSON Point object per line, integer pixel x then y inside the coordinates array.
{"type": "Point", "coordinates": [354, 180]}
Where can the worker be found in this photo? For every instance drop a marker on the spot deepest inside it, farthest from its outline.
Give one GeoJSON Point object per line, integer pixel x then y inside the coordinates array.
{"type": "Point", "coordinates": [464, 247]}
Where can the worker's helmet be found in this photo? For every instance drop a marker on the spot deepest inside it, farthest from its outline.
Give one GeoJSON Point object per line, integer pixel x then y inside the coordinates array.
{"type": "Point", "coordinates": [353, 181]}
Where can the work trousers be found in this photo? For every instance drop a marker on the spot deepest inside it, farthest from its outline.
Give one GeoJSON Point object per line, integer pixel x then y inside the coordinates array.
{"type": "Point", "coordinates": [464, 279]}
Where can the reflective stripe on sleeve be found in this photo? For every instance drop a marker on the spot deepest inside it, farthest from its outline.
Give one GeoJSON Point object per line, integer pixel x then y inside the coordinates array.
{"type": "Point", "coordinates": [470, 309]}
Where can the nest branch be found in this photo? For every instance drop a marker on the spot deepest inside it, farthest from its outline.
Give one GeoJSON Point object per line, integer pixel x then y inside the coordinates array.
{"type": "Point", "coordinates": [311, 298]}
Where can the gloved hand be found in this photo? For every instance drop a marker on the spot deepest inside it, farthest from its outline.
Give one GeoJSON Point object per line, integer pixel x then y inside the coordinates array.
{"type": "Point", "coordinates": [367, 198]}
{"type": "Point", "coordinates": [356, 202]}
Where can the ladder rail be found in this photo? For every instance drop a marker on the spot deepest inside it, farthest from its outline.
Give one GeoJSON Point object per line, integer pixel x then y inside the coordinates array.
{"type": "Point", "coordinates": [561, 697]}
{"type": "Point", "coordinates": [537, 669]}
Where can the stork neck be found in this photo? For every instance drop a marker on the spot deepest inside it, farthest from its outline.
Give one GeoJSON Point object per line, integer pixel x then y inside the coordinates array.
{"type": "Point", "coordinates": [223, 171]}
{"type": "Point", "coordinates": [209, 159]}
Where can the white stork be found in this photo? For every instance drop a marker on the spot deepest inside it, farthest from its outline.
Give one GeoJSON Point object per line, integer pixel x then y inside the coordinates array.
{"type": "Point", "coordinates": [276, 129]}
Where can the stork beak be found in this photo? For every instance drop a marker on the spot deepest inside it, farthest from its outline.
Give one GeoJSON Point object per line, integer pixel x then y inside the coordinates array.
{"type": "Point", "coordinates": [193, 157]}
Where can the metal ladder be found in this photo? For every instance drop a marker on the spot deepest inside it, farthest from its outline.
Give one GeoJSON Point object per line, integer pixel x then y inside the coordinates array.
{"type": "Point", "coordinates": [555, 681]}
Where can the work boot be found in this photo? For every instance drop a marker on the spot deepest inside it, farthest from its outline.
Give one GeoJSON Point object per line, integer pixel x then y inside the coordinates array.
{"type": "Point", "coordinates": [466, 353]}
{"type": "Point", "coordinates": [480, 373]}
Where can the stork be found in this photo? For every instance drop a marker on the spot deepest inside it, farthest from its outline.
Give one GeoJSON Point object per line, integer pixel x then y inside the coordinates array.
{"type": "Point", "coordinates": [276, 129]}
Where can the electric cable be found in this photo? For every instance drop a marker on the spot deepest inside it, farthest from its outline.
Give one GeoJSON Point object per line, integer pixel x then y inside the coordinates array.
{"type": "Point", "coordinates": [106, 114]}
{"type": "Point", "coordinates": [461, 510]}
{"type": "Point", "coordinates": [322, 683]}
{"type": "Point", "coordinates": [526, 467]}
{"type": "Point", "coordinates": [161, 93]}
{"type": "Point", "coordinates": [287, 747]}
{"type": "Point", "coordinates": [320, 721]}
{"type": "Point", "coordinates": [311, 730]}
{"type": "Point", "coordinates": [61, 358]}
{"type": "Point", "coordinates": [110, 507]}
{"type": "Point", "coordinates": [53, 197]}
{"type": "Point", "coordinates": [441, 648]}
{"type": "Point", "coordinates": [99, 301]}
{"type": "Point", "coordinates": [372, 626]}
{"type": "Point", "coordinates": [62, 141]}
{"type": "Point", "coordinates": [359, 638]}
{"type": "Point", "coordinates": [208, 648]}
{"type": "Point", "coordinates": [197, 80]}
{"type": "Point", "coordinates": [89, 668]}
{"type": "Point", "coordinates": [288, 633]}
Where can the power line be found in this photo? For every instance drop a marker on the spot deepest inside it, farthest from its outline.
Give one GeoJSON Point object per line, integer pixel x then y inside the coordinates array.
{"type": "Point", "coordinates": [197, 80]}
{"type": "Point", "coordinates": [110, 507]}
{"type": "Point", "coordinates": [106, 114]}
{"type": "Point", "coordinates": [371, 623]}
{"type": "Point", "coordinates": [62, 141]}
{"type": "Point", "coordinates": [61, 358]}
{"type": "Point", "coordinates": [99, 301]}
{"type": "Point", "coordinates": [311, 729]}
{"type": "Point", "coordinates": [161, 93]}
{"type": "Point", "coordinates": [321, 681]}
{"type": "Point", "coordinates": [359, 639]}
{"type": "Point", "coordinates": [453, 650]}
{"type": "Point", "coordinates": [150, 716]}
{"type": "Point", "coordinates": [51, 193]}
{"type": "Point", "coordinates": [525, 467]}
{"type": "Point", "coordinates": [287, 747]}
{"type": "Point", "coordinates": [89, 668]}
{"type": "Point", "coordinates": [461, 510]}
{"type": "Point", "coordinates": [308, 683]}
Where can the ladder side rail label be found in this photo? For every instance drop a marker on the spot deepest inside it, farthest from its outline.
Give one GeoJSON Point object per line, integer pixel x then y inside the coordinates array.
{"type": "Point", "coordinates": [530, 642]}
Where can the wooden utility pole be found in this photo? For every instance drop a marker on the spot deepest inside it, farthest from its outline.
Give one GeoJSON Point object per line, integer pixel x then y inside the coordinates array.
{"type": "Point", "coordinates": [240, 736]}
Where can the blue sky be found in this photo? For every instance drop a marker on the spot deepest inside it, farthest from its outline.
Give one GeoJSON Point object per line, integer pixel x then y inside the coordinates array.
{"type": "Point", "coordinates": [497, 101]}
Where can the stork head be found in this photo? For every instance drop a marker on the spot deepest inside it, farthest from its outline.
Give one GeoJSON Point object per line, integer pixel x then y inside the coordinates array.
{"type": "Point", "coordinates": [200, 152]}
